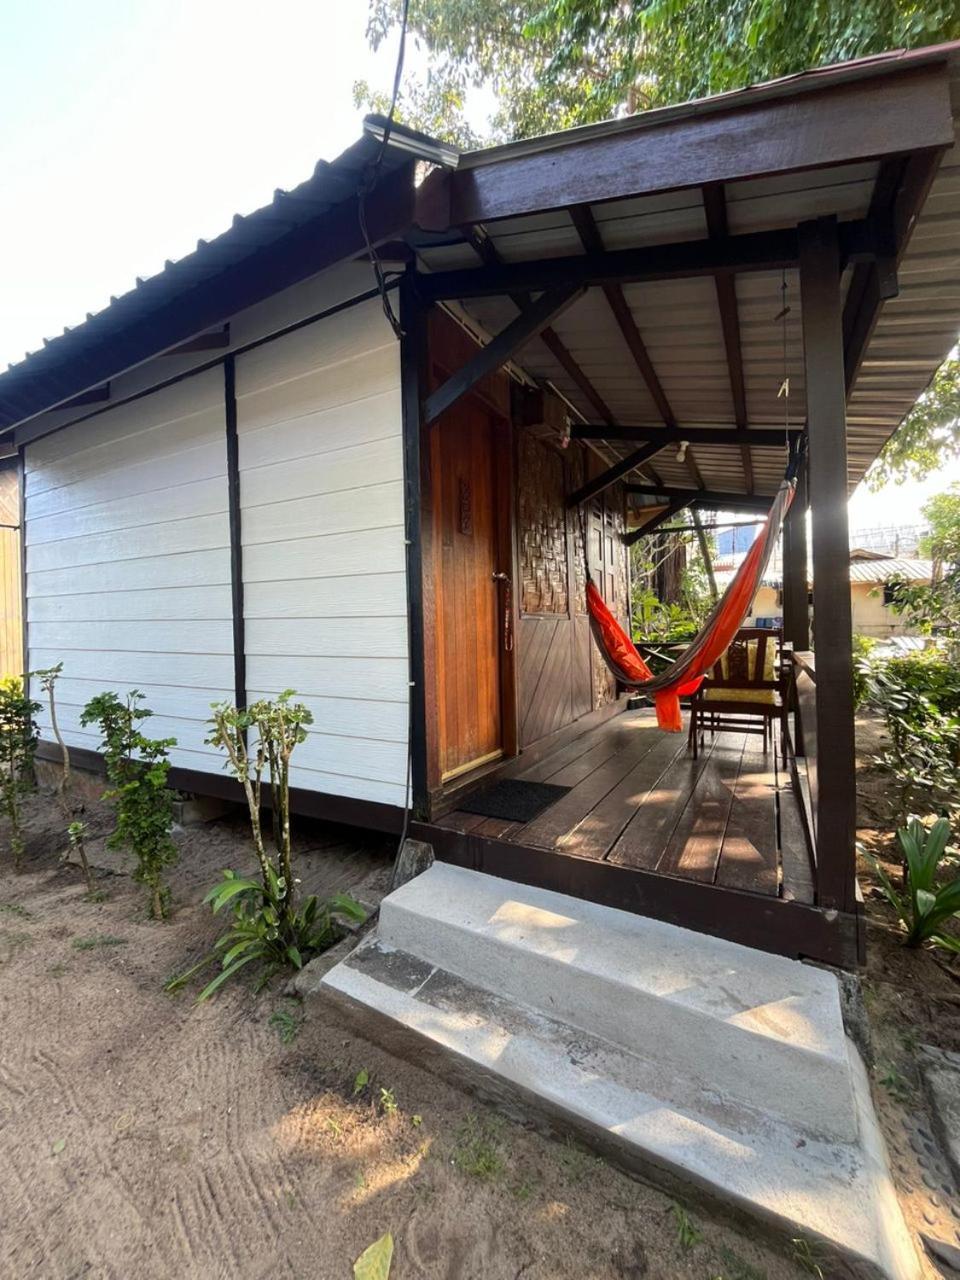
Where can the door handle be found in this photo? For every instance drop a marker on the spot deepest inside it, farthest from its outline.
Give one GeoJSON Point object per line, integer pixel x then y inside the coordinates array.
{"type": "Point", "coordinates": [507, 609]}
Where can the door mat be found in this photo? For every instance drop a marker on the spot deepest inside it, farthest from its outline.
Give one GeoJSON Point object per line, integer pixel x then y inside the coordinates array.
{"type": "Point", "coordinates": [513, 800]}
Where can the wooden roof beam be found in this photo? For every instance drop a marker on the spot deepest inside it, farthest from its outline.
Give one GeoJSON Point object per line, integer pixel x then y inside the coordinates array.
{"type": "Point", "coordinates": [612, 474]}
{"type": "Point", "coordinates": [752, 251]}
{"type": "Point", "coordinates": [531, 321]}
{"type": "Point", "coordinates": [704, 497]}
{"type": "Point", "coordinates": [760, 437]}
{"type": "Point", "coordinates": [669, 511]}
{"type": "Point", "coordinates": [715, 208]}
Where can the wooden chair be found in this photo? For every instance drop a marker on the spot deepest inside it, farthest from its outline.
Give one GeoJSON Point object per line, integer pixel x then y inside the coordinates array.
{"type": "Point", "coordinates": [745, 691]}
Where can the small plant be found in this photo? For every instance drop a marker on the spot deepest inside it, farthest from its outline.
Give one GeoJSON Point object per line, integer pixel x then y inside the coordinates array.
{"type": "Point", "coordinates": [71, 808]}
{"type": "Point", "coordinates": [374, 1262]}
{"type": "Point", "coordinates": [688, 1233]}
{"type": "Point", "coordinates": [806, 1256]}
{"type": "Point", "coordinates": [388, 1102]}
{"type": "Point", "coordinates": [924, 907]}
{"type": "Point", "coordinates": [895, 1083]}
{"type": "Point", "coordinates": [137, 768]}
{"type": "Point", "coordinates": [18, 746]}
{"type": "Point", "coordinates": [737, 1268]}
{"type": "Point", "coordinates": [286, 1025]}
{"type": "Point", "coordinates": [268, 927]}
{"type": "Point", "coordinates": [478, 1152]}
{"type": "Point", "coordinates": [360, 1081]}
{"type": "Point", "coordinates": [98, 940]}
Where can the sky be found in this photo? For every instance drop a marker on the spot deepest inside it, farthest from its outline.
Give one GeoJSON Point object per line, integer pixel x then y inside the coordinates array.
{"type": "Point", "coordinates": [133, 128]}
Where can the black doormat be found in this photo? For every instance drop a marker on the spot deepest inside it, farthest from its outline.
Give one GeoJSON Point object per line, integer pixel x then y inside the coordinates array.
{"type": "Point", "coordinates": [513, 799]}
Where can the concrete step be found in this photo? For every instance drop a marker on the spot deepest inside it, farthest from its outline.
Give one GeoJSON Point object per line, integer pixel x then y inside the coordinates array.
{"type": "Point", "coordinates": [686, 1058]}
{"type": "Point", "coordinates": [757, 1030]}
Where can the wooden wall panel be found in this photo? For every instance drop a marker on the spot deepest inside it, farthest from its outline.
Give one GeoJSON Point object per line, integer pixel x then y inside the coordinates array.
{"type": "Point", "coordinates": [128, 562]}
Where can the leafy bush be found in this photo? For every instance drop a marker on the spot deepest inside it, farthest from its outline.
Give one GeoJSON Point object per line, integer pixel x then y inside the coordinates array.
{"type": "Point", "coordinates": [268, 926]}
{"type": "Point", "coordinates": [18, 747]}
{"type": "Point", "coordinates": [70, 806]}
{"type": "Point", "coordinates": [863, 647]}
{"type": "Point", "coordinates": [930, 674]}
{"type": "Point", "coordinates": [924, 907]}
{"type": "Point", "coordinates": [923, 752]}
{"type": "Point", "coordinates": [137, 768]}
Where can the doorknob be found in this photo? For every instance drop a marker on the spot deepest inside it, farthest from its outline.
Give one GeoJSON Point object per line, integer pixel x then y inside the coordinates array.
{"type": "Point", "coordinates": [499, 577]}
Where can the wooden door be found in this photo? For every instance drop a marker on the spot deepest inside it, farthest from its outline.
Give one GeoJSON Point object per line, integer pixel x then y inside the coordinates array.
{"type": "Point", "coordinates": [470, 598]}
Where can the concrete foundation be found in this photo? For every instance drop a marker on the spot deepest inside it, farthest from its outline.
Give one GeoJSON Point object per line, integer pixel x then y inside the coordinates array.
{"type": "Point", "coordinates": [691, 1060]}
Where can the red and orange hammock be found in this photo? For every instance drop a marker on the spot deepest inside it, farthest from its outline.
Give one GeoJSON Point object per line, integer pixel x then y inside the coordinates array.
{"type": "Point", "coordinates": [684, 676]}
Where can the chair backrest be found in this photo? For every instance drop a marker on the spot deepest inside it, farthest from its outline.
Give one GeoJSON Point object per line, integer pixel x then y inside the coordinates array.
{"type": "Point", "coordinates": [751, 662]}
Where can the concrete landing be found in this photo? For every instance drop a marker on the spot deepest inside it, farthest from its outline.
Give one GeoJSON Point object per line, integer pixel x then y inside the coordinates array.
{"type": "Point", "coordinates": [690, 1059]}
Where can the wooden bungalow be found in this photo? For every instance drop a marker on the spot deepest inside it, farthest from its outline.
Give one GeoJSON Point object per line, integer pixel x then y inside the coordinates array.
{"type": "Point", "coordinates": [238, 477]}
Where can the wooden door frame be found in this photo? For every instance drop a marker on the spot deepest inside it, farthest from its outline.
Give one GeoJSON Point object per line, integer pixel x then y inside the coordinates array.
{"type": "Point", "coordinates": [435, 370]}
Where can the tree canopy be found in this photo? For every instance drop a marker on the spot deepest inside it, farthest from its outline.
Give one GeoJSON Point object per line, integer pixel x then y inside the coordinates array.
{"type": "Point", "coordinates": [552, 64]}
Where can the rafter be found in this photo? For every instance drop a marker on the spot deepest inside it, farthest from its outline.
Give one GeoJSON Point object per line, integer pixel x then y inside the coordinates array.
{"type": "Point", "coordinates": [715, 208]}
{"type": "Point", "coordinates": [704, 497]}
{"type": "Point", "coordinates": [760, 437]}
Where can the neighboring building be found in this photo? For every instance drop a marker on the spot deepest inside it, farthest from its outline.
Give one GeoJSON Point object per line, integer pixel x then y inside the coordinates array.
{"type": "Point", "coordinates": [872, 595]}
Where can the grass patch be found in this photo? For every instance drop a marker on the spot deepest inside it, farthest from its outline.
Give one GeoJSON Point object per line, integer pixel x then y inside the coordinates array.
{"type": "Point", "coordinates": [15, 909]}
{"type": "Point", "coordinates": [737, 1268]}
{"type": "Point", "coordinates": [688, 1233]}
{"type": "Point", "coordinates": [98, 940]}
{"type": "Point", "coordinates": [286, 1024]}
{"type": "Point", "coordinates": [478, 1152]}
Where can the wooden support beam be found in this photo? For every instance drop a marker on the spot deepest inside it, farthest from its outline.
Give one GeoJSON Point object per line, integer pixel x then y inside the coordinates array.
{"type": "Point", "coordinates": [669, 511]}
{"type": "Point", "coordinates": [612, 474]}
{"type": "Point", "coordinates": [827, 475]}
{"type": "Point", "coordinates": [752, 251]}
{"type": "Point", "coordinates": [715, 208]}
{"type": "Point", "coordinates": [703, 497]}
{"type": "Point", "coordinates": [705, 553]}
{"type": "Point", "coordinates": [212, 340]}
{"type": "Point", "coordinates": [796, 610]}
{"type": "Point", "coordinates": [530, 322]}
{"type": "Point", "coordinates": [760, 437]}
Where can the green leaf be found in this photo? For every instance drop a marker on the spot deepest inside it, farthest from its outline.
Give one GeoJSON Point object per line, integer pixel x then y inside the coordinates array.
{"type": "Point", "coordinates": [295, 957]}
{"type": "Point", "coordinates": [374, 1263]}
{"type": "Point", "coordinates": [361, 1080]}
{"type": "Point", "coordinates": [926, 901]}
{"type": "Point", "coordinates": [221, 978]}
{"type": "Point", "coordinates": [342, 904]}
{"type": "Point", "coordinates": [224, 893]}
{"type": "Point", "coordinates": [58, 1146]}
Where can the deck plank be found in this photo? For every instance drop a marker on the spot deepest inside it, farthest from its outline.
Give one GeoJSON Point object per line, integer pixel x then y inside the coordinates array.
{"type": "Point", "coordinates": [544, 832]}
{"type": "Point", "coordinates": [602, 827]}
{"type": "Point", "coordinates": [693, 850]}
{"type": "Point", "coordinates": [797, 871]}
{"type": "Point", "coordinates": [643, 840]}
{"type": "Point", "coordinates": [749, 856]}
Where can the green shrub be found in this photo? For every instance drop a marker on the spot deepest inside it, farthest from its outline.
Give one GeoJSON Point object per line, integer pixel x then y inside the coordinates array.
{"type": "Point", "coordinates": [925, 905]}
{"type": "Point", "coordinates": [928, 673]}
{"type": "Point", "coordinates": [863, 647]}
{"type": "Point", "coordinates": [137, 768]}
{"type": "Point", "coordinates": [18, 747]}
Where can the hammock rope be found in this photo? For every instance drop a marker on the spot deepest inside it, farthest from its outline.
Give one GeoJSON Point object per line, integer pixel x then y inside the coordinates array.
{"type": "Point", "coordinates": [685, 675]}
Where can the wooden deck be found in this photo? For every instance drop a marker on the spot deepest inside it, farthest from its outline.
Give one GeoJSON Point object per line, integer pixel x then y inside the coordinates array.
{"type": "Point", "coordinates": [639, 800]}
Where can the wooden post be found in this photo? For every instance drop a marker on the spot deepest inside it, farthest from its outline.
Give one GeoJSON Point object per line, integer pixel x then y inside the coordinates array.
{"type": "Point", "coordinates": [413, 359]}
{"type": "Point", "coordinates": [796, 611]}
{"type": "Point", "coordinates": [827, 479]}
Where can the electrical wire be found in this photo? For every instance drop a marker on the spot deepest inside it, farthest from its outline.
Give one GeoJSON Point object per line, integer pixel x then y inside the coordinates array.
{"type": "Point", "coordinates": [371, 174]}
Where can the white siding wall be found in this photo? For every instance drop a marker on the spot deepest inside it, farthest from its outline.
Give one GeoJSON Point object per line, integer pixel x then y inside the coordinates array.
{"type": "Point", "coordinates": [128, 562]}
{"type": "Point", "coordinates": [321, 487]}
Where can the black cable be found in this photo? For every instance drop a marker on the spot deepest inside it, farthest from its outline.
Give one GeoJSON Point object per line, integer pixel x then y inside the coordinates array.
{"type": "Point", "coordinates": [370, 175]}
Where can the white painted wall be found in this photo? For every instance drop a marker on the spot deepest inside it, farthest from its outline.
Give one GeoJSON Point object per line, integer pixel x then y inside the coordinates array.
{"type": "Point", "coordinates": [321, 490]}
{"type": "Point", "coordinates": [128, 563]}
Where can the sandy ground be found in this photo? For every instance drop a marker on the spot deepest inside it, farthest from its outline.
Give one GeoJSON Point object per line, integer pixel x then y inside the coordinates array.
{"type": "Point", "coordinates": [145, 1137]}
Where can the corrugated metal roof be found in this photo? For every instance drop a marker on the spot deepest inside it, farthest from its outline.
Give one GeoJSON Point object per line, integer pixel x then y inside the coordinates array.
{"type": "Point", "coordinates": [332, 182]}
{"type": "Point", "coordinates": [884, 570]}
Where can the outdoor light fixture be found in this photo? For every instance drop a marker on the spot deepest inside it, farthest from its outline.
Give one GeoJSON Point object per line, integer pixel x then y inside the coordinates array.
{"type": "Point", "coordinates": [413, 142]}
{"type": "Point", "coordinates": [682, 450]}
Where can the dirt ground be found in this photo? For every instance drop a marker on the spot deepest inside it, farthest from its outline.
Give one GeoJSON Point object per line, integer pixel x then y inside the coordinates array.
{"type": "Point", "coordinates": [912, 999]}
{"type": "Point", "coordinates": [145, 1137]}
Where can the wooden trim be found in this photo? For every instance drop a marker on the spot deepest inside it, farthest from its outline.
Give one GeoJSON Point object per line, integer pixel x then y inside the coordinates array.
{"type": "Point", "coordinates": [236, 537]}
{"type": "Point", "coordinates": [370, 814]}
{"type": "Point", "coordinates": [813, 124]}
{"type": "Point", "coordinates": [827, 477]}
{"type": "Point", "coordinates": [755, 920]}
{"type": "Point", "coordinates": [488, 359]}
{"type": "Point", "coordinates": [212, 340]}
{"type": "Point", "coordinates": [422, 703]}
{"type": "Point", "coordinates": [599, 484]}
{"type": "Point", "coordinates": [751, 251]}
